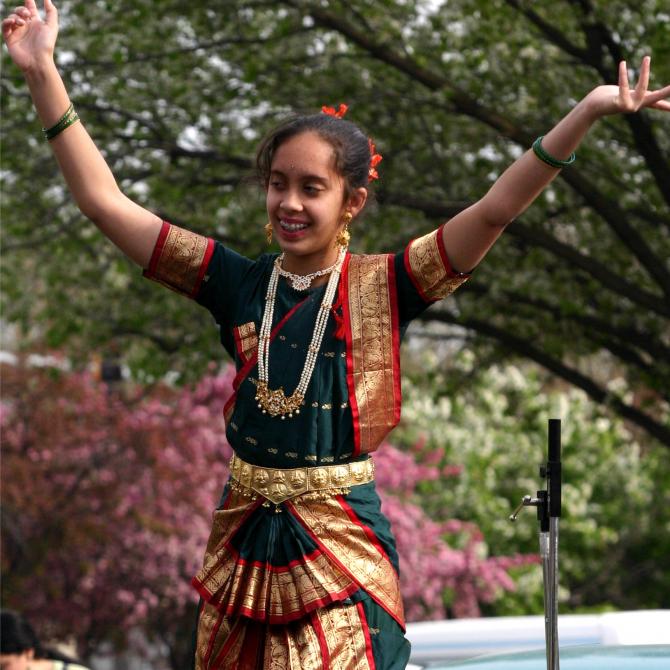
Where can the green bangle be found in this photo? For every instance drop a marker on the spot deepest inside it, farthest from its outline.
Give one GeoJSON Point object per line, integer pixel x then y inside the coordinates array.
{"type": "Point", "coordinates": [61, 124]}
{"type": "Point", "coordinates": [548, 158]}
{"type": "Point", "coordinates": [67, 124]}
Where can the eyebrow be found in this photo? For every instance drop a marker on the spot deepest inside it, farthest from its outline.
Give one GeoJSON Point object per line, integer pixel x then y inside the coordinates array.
{"type": "Point", "coordinates": [305, 177]}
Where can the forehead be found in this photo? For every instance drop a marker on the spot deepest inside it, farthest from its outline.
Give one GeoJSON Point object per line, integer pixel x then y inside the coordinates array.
{"type": "Point", "coordinates": [306, 153]}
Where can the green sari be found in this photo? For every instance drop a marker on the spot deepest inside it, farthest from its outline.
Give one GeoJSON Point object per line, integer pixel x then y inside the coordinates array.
{"type": "Point", "coordinates": [311, 582]}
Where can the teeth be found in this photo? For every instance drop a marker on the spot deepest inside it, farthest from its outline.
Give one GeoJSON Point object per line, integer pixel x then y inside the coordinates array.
{"type": "Point", "coordinates": [292, 227]}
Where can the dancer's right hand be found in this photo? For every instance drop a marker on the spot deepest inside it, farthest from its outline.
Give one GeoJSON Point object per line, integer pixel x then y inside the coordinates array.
{"type": "Point", "coordinates": [29, 39]}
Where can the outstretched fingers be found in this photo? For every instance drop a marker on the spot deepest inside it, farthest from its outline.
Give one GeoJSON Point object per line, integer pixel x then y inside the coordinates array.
{"type": "Point", "coordinates": [658, 99]}
{"type": "Point", "coordinates": [50, 12]}
{"type": "Point", "coordinates": [643, 81]}
{"type": "Point", "coordinates": [32, 8]}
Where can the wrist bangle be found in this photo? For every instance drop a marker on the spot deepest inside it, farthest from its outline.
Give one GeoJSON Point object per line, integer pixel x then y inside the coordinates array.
{"type": "Point", "coordinates": [548, 158]}
{"type": "Point", "coordinates": [64, 122]}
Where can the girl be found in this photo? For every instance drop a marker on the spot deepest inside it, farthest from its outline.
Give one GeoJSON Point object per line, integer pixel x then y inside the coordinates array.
{"type": "Point", "coordinates": [301, 570]}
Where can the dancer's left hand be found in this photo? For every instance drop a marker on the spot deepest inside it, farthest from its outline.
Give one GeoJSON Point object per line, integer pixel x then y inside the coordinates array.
{"type": "Point", "coordinates": [605, 100]}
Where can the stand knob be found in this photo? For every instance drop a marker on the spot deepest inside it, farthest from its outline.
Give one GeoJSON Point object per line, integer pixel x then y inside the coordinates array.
{"type": "Point", "coordinates": [526, 501]}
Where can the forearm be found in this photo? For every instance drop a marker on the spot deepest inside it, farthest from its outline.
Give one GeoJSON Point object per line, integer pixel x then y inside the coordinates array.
{"type": "Point", "coordinates": [132, 228]}
{"type": "Point", "coordinates": [471, 233]}
{"type": "Point", "coordinates": [526, 178]}
{"type": "Point", "coordinates": [88, 176]}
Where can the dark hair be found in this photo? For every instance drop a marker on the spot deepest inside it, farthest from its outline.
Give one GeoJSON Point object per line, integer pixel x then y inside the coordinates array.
{"type": "Point", "coordinates": [17, 634]}
{"type": "Point", "coordinates": [349, 142]}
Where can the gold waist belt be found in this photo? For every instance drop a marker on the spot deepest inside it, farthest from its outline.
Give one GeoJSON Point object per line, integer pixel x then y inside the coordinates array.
{"type": "Point", "coordinates": [280, 484]}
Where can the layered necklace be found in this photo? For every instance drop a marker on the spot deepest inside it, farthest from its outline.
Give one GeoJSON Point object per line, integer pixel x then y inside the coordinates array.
{"type": "Point", "coordinates": [275, 402]}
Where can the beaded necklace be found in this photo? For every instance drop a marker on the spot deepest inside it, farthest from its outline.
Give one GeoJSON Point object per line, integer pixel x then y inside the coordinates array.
{"type": "Point", "coordinates": [275, 402]}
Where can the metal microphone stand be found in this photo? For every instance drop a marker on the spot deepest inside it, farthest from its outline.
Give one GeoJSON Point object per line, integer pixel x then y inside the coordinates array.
{"type": "Point", "coordinates": [548, 503]}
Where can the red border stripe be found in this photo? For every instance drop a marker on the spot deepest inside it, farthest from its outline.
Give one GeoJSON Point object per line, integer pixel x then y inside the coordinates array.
{"type": "Point", "coordinates": [209, 252]}
{"type": "Point", "coordinates": [346, 316]}
{"type": "Point", "coordinates": [366, 631]}
{"type": "Point", "coordinates": [158, 249]}
{"type": "Point", "coordinates": [395, 334]}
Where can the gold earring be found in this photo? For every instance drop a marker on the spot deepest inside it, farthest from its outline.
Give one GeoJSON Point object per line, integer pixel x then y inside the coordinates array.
{"type": "Point", "coordinates": [342, 238]}
{"type": "Point", "coordinates": [268, 232]}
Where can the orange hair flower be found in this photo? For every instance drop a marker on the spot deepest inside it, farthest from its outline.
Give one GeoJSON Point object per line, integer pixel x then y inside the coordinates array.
{"type": "Point", "coordinates": [375, 159]}
{"type": "Point", "coordinates": [339, 113]}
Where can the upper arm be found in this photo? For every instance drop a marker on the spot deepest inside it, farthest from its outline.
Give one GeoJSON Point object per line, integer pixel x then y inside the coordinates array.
{"type": "Point", "coordinates": [469, 235]}
{"type": "Point", "coordinates": [132, 228]}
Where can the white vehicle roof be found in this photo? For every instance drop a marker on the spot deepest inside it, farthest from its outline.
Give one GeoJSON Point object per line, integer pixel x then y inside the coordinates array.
{"type": "Point", "coordinates": [463, 638]}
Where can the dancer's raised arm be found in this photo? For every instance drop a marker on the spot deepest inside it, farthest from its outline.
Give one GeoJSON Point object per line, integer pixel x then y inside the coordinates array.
{"type": "Point", "coordinates": [31, 42]}
{"type": "Point", "coordinates": [472, 232]}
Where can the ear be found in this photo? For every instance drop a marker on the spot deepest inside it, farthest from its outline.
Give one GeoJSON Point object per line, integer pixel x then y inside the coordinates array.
{"type": "Point", "coordinates": [357, 201]}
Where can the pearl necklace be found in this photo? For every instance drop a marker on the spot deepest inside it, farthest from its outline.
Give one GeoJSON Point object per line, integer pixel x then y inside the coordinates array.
{"type": "Point", "coordinates": [275, 403]}
{"type": "Point", "coordinates": [302, 282]}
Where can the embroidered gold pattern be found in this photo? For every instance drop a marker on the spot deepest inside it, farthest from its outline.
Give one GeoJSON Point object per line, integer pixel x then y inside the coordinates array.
{"type": "Point", "coordinates": [326, 405]}
{"type": "Point", "coordinates": [372, 348]}
{"type": "Point", "coordinates": [345, 639]}
{"type": "Point", "coordinates": [250, 440]}
{"type": "Point", "coordinates": [234, 426]}
{"type": "Point", "coordinates": [280, 484]}
{"type": "Point", "coordinates": [428, 268]}
{"type": "Point", "coordinates": [310, 457]}
{"type": "Point", "coordinates": [292, 454]}
{"type": "Point", "coordinates": [298, 646]}
{"type": "Point", "coordinates": [352, 547]}
{"type": "Point", "coordinates": [329, 354]}
{"type": "Point", "coordinates": [180, 260]}
{"type": "Point", "coordinates": [248, 339]}
{"type": "Point", "coordinates": [272, 450]}
{"type": "Point", "coordinates": [207, 626]}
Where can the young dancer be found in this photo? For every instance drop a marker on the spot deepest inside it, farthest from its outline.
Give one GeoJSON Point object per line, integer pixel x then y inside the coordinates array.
{"type": "Point", "coordinates": [301, 570]}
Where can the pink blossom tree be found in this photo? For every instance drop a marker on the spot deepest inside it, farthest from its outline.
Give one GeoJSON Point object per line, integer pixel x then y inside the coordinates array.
{"type": "Point", "coordinates": [443, 565]}
{"type": "Point", "coordinates": [107, 503]}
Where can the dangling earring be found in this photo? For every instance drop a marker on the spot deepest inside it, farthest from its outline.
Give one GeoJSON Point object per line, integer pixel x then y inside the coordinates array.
{"type": "Point", "coordinates": [342, 238]}
{"type": "Point", "coordinates": [268, 232]}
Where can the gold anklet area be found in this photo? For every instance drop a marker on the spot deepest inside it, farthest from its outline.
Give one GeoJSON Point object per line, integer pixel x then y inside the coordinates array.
{"type": "Point", "coordinates": [312, 483]}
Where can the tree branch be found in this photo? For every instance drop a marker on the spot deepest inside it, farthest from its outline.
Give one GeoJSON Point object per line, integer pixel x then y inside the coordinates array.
{"type": "Point", "coordinates": [527, 349]}
{"type": "Point", "coordinates": [539, 238]}
{"type": "Point", "coordinates": [465, 104]}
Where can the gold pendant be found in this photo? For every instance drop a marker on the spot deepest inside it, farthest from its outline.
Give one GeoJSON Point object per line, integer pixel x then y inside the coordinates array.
{"type": "Point", "coordinates": [275, 403]}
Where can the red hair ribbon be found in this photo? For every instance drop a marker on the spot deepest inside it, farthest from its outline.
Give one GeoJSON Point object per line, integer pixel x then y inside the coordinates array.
{"type": "Point", "coordinates": [341, 111]}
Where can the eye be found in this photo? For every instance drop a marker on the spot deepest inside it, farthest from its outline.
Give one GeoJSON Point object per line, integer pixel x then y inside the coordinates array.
{"type": "Point", "coordinates": [312, 190]}
{"type": "Point", "coordinates": [275, 183]}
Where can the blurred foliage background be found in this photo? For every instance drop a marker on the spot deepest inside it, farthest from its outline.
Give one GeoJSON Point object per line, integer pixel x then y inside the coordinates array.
{"type": "Point", "coordinates": [568, 315]}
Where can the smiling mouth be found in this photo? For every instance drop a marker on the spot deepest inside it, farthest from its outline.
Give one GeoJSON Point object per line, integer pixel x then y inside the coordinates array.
{"type": "Point", "coordinates": [292, 227]}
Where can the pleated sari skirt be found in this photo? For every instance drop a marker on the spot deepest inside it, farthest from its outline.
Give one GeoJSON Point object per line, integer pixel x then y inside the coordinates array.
{"type": "Point", "coordinates": [309, 584]}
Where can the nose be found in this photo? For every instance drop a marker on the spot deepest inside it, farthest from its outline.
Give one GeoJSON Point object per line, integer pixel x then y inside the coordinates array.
{"type": "Point", "coordinates": [291, 201]}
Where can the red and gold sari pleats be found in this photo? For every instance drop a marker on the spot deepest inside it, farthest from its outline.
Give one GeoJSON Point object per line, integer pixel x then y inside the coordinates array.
{"type": "Point", "coordinates": [332, 638]}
